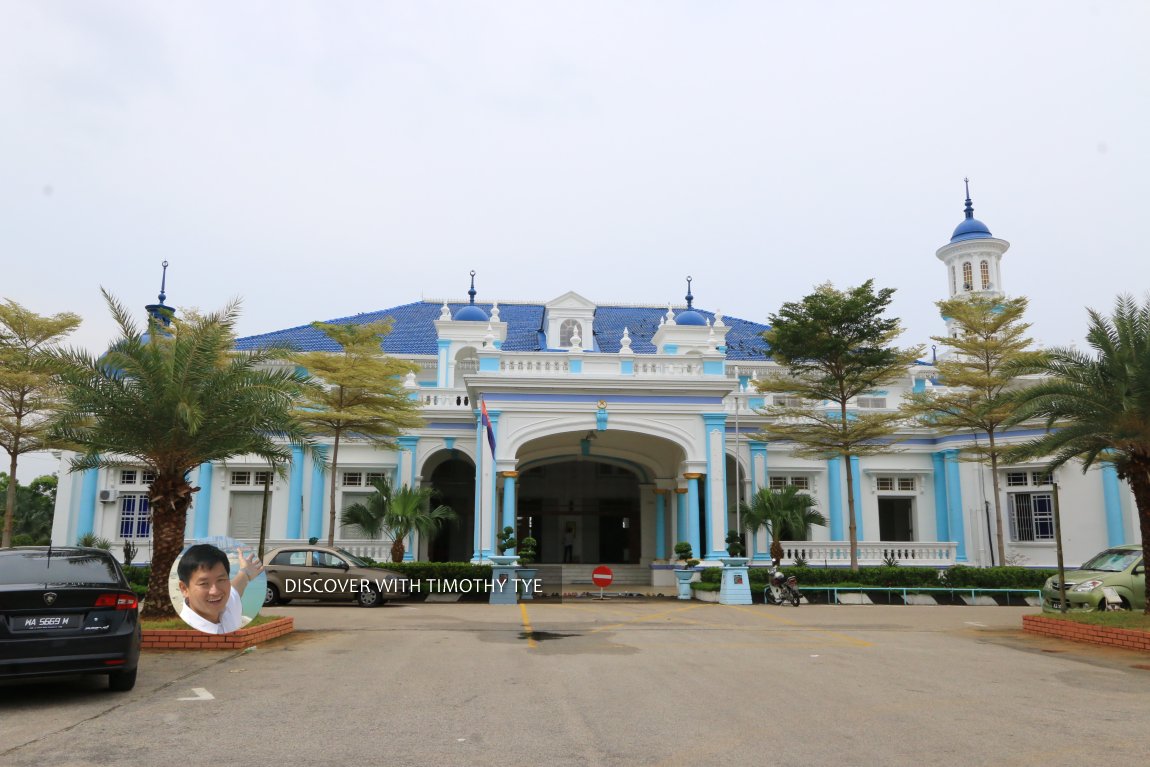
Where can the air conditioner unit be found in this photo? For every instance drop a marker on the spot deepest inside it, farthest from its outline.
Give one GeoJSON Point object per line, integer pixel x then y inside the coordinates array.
{"type": "Point", "coordinates": [107, 496]}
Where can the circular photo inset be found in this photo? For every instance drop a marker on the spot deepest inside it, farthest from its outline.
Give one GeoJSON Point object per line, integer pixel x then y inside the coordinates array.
{"type": "Point", "coordinates": [217, 585]}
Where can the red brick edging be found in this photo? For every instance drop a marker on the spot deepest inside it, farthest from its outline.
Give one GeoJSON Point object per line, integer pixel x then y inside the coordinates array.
{"type": "Point", "coordinates": [1127, 639]}
{"type": "Point", "coordinates": [190, 639]}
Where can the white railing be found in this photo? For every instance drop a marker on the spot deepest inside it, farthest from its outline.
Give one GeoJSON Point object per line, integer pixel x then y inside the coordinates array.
{"type": "Point", "coordinates": [446, 398]}
{"type": "Point", "coordinates": [534, 364]}
{"type": "Point", "coordinates": [923, 553]}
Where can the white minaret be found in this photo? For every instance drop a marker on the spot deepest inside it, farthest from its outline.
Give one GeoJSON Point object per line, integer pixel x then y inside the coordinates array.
{"type": "Point", "coordinates": [973, 259]}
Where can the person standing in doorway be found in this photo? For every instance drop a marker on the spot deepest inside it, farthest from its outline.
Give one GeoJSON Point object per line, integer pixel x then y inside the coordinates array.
{"type": "Point", "coordinates": [568, 543]}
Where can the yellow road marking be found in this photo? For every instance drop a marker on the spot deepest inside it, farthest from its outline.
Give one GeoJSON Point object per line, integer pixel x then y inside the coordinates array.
{"type": "Point", "coordinates": [650, 617]}
{"type": "Point", "coordinates": [531, 643]}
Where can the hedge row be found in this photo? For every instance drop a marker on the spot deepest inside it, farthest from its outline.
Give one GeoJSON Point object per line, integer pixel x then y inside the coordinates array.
{"type": "Point", "coordinates": [958, 576]}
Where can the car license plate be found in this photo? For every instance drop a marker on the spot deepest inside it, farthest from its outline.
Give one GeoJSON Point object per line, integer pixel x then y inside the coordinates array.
{"type": "Point", "coordinates": [1057, 605]}
{"type": "Point", "coordinates": [44, 622]}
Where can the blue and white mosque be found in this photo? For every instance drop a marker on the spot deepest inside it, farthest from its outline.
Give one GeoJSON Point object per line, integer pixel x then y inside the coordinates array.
{"type": "Point", "coordinates": [619, 430]}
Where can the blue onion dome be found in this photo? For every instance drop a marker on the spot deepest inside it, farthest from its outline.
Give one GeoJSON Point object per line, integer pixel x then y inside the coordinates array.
{"type": "Point", "coordinates": [159, 314]}
{"type": "Point", "coordinates": [689, 316]}
{"type": "Point", "coordinates": [970, 228]}
{"type": "Point", "coordinates": [472, 312]}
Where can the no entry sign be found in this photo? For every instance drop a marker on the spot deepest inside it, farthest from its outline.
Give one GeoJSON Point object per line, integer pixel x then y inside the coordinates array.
{"type": "Point", "coordinates": [602, 576]}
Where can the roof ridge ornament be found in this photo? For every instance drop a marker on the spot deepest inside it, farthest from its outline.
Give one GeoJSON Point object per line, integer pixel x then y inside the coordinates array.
{"type": "Point", "coordinates": [670, 315]}
{"type": "Point", "coordinates": [445, 312]}
{"type": "Point", "coordinates": [495, 312]}
{"type": "Point", "coordinates": [625, 342]}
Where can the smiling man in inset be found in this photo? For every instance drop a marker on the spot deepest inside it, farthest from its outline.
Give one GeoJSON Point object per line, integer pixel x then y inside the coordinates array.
{"type": "Point", "coordinates": [211, 598]}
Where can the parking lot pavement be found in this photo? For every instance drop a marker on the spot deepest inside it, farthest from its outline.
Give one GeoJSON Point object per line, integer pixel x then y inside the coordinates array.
{"type": "Point", "coordinates": [583, 683]}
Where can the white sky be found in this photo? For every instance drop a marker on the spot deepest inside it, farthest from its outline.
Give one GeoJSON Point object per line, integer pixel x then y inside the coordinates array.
{"type": "Point", "coordinates": [327, 158]}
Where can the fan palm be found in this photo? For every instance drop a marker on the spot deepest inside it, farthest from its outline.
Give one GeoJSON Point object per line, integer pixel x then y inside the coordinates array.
{"type": "Point", "coordinates": [789, 509]}
{"type": "Point", "coordinates": [368, 516]}
{"type": "Point", "coordinates": [411, 511]}
{"type": "Point", "coordinates": [172, 399]}
{"type": "Point", "coordinates": [1097, 406]}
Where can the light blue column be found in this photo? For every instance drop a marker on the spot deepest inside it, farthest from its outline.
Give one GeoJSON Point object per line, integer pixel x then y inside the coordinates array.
{"type": "Point", "coordinates": [408, 445]}
{"type": "Point", "coordinates": [941, 521]}
{"type": "Point", "coordinates": [1115, 530]}
{"type": "Point", "coordinates": [495, 527]}
{"type": "Point", "coordinates": [315, 508]}
{"type": "Point", "coordinates": [835, 491]}
{"type": "Point", "coordinates": [693, 515]}
{"type": "Point", "coordinates": [509, 503]}
{"type": "Point", "coordinates": [203, 509]}
{"type": "Point", "coordinates": [715, 426]}
{"type": "Point", "coordinates": [444, 345]}
{"type": "Point", "coordinates": [477, 522]}
{"type": "Point", "coordinates": [681, 531]}
{"type": "Point", "coordinates": [87, 516]}
{"type": "Point", "coordinates": [660, 524]}
{"type": "Point", "coordinates": [295, 495]}
{"type": "Point", "coordinates": [954, 502]}
{"type": "Point", "coordinates": [758, 458]}
{"type": "Point", "coordinates": [855, 478]}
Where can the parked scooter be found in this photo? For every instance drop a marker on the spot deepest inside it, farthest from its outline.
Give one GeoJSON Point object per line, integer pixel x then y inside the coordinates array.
{"type": "Point", "coordinates": [782, 589]}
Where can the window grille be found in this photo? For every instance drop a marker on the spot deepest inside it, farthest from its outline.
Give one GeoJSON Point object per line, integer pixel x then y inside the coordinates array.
{"type": "Point", "coordinates": [128, 476]}
{"type": "Point", "coordinates": [353, 479]}
{"type": "Point", "coordinates": [1031, 517]}
{"type": "Point", "coordinates": [241, 477]}
{"type": "Point", "coordinates": [135, 517]}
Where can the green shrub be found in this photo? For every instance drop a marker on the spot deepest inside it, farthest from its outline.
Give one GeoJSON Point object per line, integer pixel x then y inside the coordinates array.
{"type": "Point", "coordinates": [962, 576]}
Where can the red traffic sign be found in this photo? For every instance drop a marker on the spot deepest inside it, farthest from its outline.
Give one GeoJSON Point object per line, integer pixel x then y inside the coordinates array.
{"type": "Point", "coordinates": [602, 576]}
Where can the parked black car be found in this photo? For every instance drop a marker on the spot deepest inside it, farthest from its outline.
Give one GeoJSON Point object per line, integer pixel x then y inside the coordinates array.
{"type": "Point", "coordinates": [67, 611]}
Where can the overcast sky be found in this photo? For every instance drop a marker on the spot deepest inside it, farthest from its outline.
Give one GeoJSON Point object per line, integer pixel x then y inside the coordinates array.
{"type": "Point", "coordinates": [328, 158]}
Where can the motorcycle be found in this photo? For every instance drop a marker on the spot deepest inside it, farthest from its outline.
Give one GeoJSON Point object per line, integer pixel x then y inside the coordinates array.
{"type": "Point", "coordinates": [782, 589]}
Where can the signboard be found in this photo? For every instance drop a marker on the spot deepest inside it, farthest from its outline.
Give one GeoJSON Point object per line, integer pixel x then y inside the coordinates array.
{"type": "Point", "coordinates": [602, 576]}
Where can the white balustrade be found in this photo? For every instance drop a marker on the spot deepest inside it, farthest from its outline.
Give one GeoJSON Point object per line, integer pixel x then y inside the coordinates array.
{"type": "Point", "coordinates": [924, 553]}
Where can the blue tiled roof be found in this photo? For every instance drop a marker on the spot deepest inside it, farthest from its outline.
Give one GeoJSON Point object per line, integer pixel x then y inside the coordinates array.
{"type": "Point", "coordinates": [413, 331]}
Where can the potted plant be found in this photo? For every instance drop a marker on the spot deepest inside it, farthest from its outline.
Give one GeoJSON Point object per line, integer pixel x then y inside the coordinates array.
{"type": "Point", "coordinates": [503, 569]}
{"type": "Point", "coordinates": [686, 573]}
{"type": "Point", "coordinates": [735, 546]}
{"type": "Point", "coordinates": [526, 551]}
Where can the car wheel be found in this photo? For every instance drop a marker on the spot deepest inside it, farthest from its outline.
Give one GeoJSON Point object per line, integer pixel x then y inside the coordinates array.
{"type": "Point", "coordinates": [369, 597]}
{"type": "Point", "coordinates": [122, 681]}
{"type": "Point", "coordinates": [272, 596]}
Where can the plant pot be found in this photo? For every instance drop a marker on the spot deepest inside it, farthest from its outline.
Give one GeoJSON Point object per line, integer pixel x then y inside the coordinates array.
{"type": "Point", "coordinates": [503, 560]}
{"type": "Point", "coordinates": [684, 578]}
{"type": "Point", "coordinates": [734, 561]}
{"type": "Point", "coordinates": [526, 575]}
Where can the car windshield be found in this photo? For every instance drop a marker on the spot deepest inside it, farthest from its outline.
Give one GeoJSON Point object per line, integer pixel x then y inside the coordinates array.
{"type": "Point", "coordinates": [1113, 561]}
{"type": "Point", "coordinates": [59, 569]}
{"type": "Point", "coordinates": [353, 559]}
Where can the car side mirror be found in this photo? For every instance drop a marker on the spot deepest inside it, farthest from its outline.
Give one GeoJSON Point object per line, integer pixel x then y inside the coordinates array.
{"type": "Point", "coordinates": [344, 566]}
{"type": "Point", "coordinates": [1140, 570]}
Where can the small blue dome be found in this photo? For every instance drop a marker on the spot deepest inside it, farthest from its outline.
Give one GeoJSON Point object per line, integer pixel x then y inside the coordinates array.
{"type": "Point", "coordinates": [690, 317]}
{"type": "Point", "coordinates": [970, 229]}
{"type": "Point", "coordinates": [471, 313]}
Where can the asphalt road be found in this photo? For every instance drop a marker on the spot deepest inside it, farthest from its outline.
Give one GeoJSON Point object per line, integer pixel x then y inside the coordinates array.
{"type": "Point", "coordinates": [657, 682]}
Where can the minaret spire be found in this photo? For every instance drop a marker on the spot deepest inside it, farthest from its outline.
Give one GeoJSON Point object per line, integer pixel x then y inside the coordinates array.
{"type": "Point", "coordinates": [472, 291]}
{"type": "Point", "coordinates": [969, 205]}
{"type": "Point", "coordinates": [689, 297]}
{"type": "Point", "coordinates": [160, 311]}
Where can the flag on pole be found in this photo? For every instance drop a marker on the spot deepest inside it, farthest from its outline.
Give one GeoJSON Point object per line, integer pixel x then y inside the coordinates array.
{"type": "Point", "coordinates": [487, 424]}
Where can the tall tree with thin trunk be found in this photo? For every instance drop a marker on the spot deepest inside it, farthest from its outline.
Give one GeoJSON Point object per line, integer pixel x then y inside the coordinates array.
{"type": "Point", "coordinates": [988, 341]}
{"type": "Point", "coordinates": [359, 393]}
{"type": "Point", "coordinates": [172, 399]}
{"type": "Point", "coordinates": [1097, 406]}
{"type": "Point", "coordinates": [833, 346]}
{"type": "Point", "coordinates": [29, 387]}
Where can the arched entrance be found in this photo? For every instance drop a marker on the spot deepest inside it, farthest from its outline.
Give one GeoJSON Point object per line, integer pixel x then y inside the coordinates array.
{"type": "Point", "coordinates": [581, 511]}
{"type": "Point", "coordinates": [453, 478]}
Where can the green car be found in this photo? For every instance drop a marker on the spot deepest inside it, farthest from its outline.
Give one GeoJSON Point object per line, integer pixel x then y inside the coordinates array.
{"type": "Point", "coordinates": [1120, 568]}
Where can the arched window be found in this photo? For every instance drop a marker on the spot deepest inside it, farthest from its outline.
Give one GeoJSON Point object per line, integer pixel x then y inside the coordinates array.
{"type": "Point", "coordinates": [967, 276]}
{"type": "Point", "coordinates": [567, 331]}
{"type": "Point", "coordinates": [984, 272]}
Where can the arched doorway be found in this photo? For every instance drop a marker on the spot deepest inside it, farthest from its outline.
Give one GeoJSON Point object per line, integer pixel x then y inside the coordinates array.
{"type": "Point", "coordinates": [581, 511]}
{"type": "Point", "coordinates": [453, 478]}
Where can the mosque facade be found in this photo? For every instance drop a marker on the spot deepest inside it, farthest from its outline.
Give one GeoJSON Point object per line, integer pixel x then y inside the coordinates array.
{"type": "Point", "coordinates": [612, 432]}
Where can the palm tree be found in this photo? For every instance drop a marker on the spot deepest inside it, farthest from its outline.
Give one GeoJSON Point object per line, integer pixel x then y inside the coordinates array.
{"type": "Point", "coordinates": [368, 517]}
{"type": "Point", "coordinates": [172, 399]}
{"type": "Point", "coordinates": [1097, 406]}
{"type": "Point", "coordinates": [410, 510]}
{"type": "Point", "coordinates": [789, 509]}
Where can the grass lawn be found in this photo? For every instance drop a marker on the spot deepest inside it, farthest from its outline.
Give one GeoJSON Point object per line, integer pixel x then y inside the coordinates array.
{"type": "Point", "coordinates": [176, 623]}
{"type": "Point", "coordinates": [1119, 619]}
